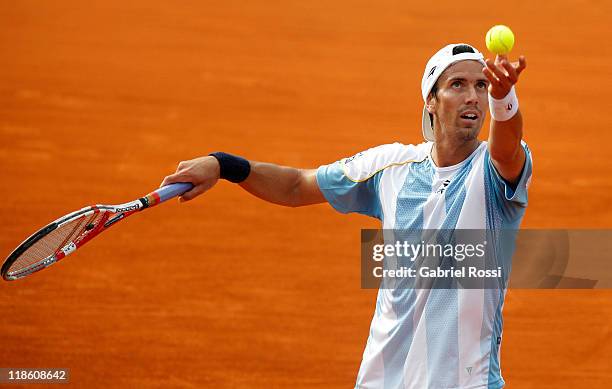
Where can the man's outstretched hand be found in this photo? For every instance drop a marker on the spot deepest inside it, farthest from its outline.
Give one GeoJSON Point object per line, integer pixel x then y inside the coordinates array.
{"type": "Point", "coordinates": [202, 172]}
{"type": "Point", "coordinates": [503, 74]}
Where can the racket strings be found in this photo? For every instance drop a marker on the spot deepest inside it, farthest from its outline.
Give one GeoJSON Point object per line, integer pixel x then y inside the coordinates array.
{"type": "Point", "coordinates": [55, 240]}
{"type": "Point", "coordinates": [77, 230]}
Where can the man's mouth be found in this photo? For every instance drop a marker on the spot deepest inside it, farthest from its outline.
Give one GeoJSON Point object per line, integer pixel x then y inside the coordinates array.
{"type": "Point", "coordinates": [469, 115]}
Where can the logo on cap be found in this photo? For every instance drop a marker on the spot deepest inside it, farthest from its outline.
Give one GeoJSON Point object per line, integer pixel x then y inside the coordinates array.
{"type": "Point", "coordinates": [431, 71]}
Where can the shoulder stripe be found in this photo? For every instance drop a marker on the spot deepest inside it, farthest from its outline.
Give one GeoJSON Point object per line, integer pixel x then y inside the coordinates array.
{"type": "Point", "coordinates": [379, 170]}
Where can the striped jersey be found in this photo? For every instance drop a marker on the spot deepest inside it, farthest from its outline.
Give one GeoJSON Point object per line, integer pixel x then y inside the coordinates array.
{"type": "Point", "coordinates": [430, 338]}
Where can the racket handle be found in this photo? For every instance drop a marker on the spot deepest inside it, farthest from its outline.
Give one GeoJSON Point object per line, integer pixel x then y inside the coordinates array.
{"type": "Point", "coordinates": [167, 192]}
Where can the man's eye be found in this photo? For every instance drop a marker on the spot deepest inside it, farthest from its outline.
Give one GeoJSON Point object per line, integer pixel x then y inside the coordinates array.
{"type": "Point", "coordinates": [482, 85]}
{"type": "Point", "coordinates": [456, 84]}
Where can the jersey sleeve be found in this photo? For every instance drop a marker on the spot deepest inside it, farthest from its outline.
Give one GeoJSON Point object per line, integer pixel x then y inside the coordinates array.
{"type": "Point", "coordinates": [510, 198]}
{"type": "Point", "coordinates": [352, 184]}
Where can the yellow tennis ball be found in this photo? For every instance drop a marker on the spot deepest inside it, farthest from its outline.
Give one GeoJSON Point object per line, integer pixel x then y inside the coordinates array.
{"type": "Point", "coordinates": [499, 39]}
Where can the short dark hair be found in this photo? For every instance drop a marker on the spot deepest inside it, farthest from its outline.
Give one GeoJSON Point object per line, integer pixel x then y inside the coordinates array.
{"type": "Point", "coordinates": [456, 50]}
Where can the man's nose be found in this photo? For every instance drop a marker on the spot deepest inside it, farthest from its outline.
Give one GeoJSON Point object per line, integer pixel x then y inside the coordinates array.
{"type": "Point", "coordinates": [471, 96]}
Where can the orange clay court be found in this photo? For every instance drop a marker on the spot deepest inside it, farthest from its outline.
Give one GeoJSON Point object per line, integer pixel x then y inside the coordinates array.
{"type": "Point", "coordinates": [99, 102]}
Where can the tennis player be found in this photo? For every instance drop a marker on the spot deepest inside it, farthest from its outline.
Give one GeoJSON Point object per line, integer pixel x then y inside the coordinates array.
{"type": "Point", "coordinates": [437, 338]}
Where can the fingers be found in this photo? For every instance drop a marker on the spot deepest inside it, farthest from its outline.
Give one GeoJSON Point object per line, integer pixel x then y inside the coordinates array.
{"type": "Point", "coordinates": [491, 77]}
{"type": "Point", "coordinates": [521, 65]}
{"type": "Point", "coordinates": [502, 62]}
{"type": "Point", "coordinates": [202, 172]}
{"type": "Point", "coordinates": [167, 180]}
{"type": "Point", "coordinates": [497, 70]}
{"type": "Point", "coordinates": [195, 192]}
{"type": "Point", "coordinates": [176, 177]}
{"type": "Point", "coordinates": [510, 71]}
{"type": "Point", "coordinates": [181, 174]}
{"type": "Point", "coordinates": [499, 58]}
{"type": "Point", "coordinates": [496, 89]}
{"type": "Point", "coordinates": [501, 76]}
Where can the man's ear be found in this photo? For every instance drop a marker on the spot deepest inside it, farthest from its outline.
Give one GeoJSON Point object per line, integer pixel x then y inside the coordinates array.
{"type": "Point", "coordinates": [431, 104]}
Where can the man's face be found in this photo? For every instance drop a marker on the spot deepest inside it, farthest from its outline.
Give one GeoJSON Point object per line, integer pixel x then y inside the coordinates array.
{"type": "Point", "coordinates": [461, 103]}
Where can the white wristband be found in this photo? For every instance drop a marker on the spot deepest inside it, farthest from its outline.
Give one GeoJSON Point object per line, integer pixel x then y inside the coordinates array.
{"type": "Point", "coordinates": [505, 108]}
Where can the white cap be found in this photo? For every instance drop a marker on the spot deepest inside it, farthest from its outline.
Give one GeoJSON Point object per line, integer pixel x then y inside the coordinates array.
{"type": "Point", "coordinates": [435, 66]}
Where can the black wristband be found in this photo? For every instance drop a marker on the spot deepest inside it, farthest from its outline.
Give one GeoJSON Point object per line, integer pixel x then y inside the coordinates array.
{"type": "Point", "coordinates": [232, 167]}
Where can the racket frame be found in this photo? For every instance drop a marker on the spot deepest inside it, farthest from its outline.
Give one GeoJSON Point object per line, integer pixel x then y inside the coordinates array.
{"type": "Point", "coordinates": [112, 214]}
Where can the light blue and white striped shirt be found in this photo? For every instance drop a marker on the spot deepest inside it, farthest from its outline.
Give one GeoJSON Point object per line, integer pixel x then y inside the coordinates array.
{"type": "Point", "coordinates": [430, 338]}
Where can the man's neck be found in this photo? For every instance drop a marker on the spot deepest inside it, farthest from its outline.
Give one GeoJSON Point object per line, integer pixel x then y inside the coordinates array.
{"type": "Point", "coordinates": [448, 153]}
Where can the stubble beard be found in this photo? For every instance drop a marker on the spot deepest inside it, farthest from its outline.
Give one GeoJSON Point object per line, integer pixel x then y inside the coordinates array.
{"type": "Point", "coordinates": [469, 133]}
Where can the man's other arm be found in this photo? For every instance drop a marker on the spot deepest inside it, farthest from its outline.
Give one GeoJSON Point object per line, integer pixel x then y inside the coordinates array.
{"type": "Point", "coordinates": [287, 186]}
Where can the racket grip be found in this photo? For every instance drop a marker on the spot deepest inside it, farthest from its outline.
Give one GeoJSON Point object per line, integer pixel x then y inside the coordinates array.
{"type": "Point", "coordinates": [169, 191]}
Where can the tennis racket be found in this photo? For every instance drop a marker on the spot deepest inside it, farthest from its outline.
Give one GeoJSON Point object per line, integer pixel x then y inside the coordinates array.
{"type": "Point", "coordinates": [63, 236]}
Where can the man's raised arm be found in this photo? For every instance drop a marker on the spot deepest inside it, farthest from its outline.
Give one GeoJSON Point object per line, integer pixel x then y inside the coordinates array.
{"type": "Point", "coordinates": [506, 131]}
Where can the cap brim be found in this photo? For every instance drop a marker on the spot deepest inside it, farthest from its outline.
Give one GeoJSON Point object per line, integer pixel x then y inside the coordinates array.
{"type": "Point", "coordinates": [428, 133]}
